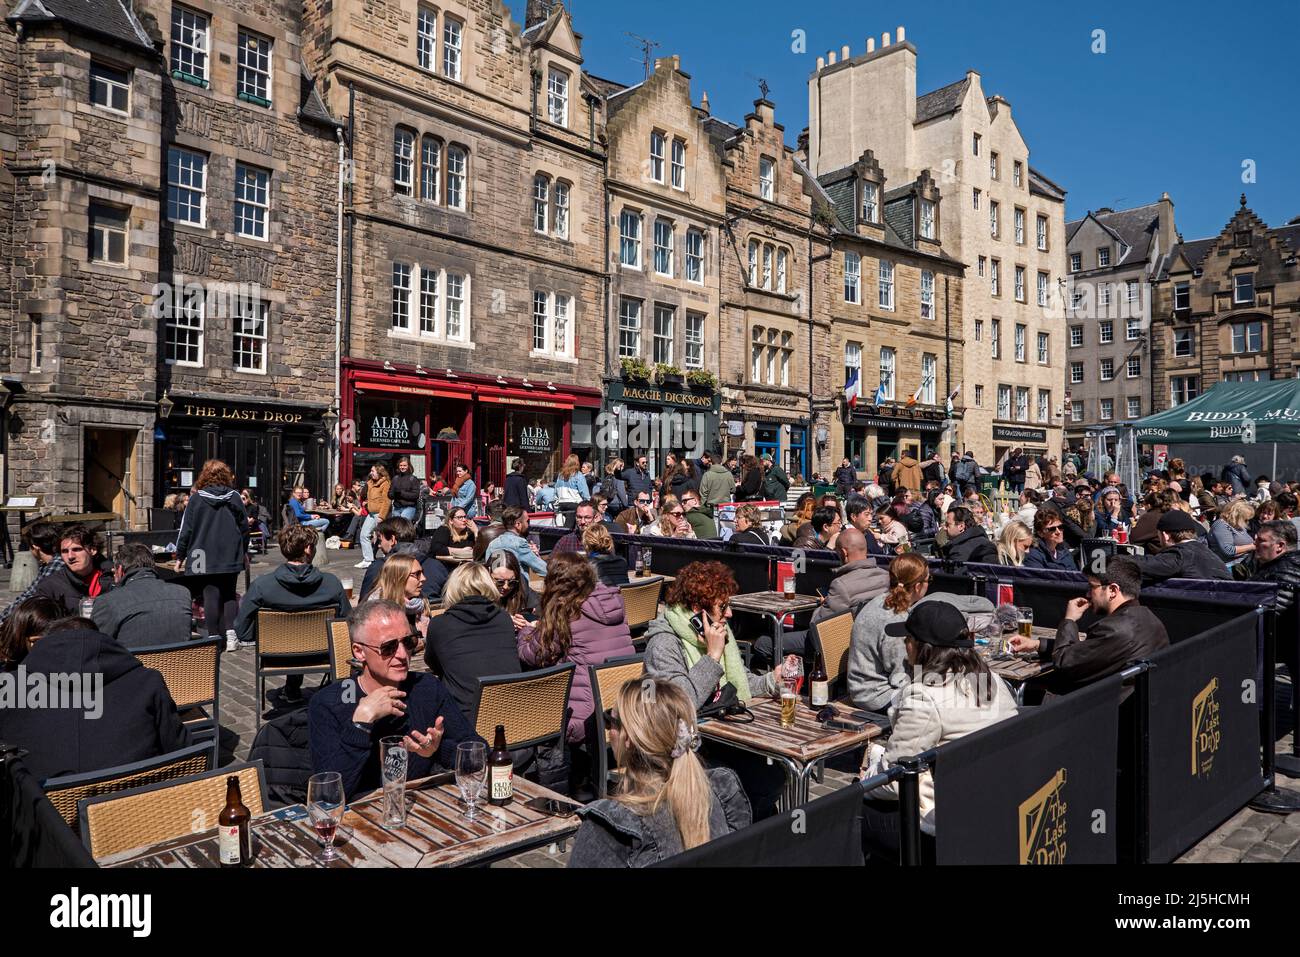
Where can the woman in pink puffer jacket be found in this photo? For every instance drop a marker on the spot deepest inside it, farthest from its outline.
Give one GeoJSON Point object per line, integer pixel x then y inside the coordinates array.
{"type": "Point", "coordinates": [582, 622]}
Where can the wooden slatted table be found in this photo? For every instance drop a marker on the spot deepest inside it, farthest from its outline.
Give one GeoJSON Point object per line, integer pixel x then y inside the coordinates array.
{"type": "Point", "coordinates": [774, 606]}
{"type": "Point", "coordinates": [436, 834]}
{"type": "Point", "coordinates": [1024, 667]}
{"type": "Point", "coordinates": [797, 749]}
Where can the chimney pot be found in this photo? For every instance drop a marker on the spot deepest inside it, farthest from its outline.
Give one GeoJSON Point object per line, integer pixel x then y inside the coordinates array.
{"type": "Point", "coordinates": [830, 57]}
{"type": "Point", "coordinates": [821, 63]}
{"type": "Point", "coordinates": [871, 44]}
{"type": "Point", "coordinates": [884, 40]}
{"type": "Point", "coordinates": [844, 53]}
{"type": "Point", "coordinates": [901, 35]}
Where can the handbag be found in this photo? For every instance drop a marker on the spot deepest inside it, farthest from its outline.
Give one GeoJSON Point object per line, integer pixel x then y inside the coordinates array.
{"type": "Point", "coordinates": [725, 705]}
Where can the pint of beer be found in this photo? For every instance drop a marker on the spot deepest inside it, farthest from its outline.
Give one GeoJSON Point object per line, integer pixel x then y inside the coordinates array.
{"type": "Point", "coordinates": [1026, 626]}
{"type": "Point", "coordinates": [788, 700]}
{"type": "Point", "coordinates": [347, 587]}
{"type": "Point", "coordinates": [789, 586]}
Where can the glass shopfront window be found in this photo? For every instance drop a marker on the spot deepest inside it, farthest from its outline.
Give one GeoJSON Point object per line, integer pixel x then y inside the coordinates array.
{"type": "Point", "coordinates": [387, 429]}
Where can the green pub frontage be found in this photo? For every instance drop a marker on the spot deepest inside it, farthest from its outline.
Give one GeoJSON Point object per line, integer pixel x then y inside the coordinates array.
{"type": "Point", "coordinates": [652, 419]}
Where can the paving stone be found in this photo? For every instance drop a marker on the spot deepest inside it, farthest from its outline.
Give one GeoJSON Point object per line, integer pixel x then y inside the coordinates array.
{"type": "Point", "coordinates": [1262, 853]}
{"type": "Point", "coordinates": [1242, 839]}
{"type": "Point", "coordinates": [1221, 855]}
{"type": "Point", "coordinates": [1285, 835]}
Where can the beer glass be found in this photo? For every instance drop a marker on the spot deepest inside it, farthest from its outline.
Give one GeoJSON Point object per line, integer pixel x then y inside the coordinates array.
{"type": "Point", "coordinates": [394, 759]}
{"type": "Point", "coordinates": [1026, 622]}
{"type": "Point", "coordinates": [788, 587]}
{"type": "Point", "coordinates": [347, 587]}
{"type": "Point", "coordinates": [325, 808]}
{"type": "Point", "coordinates": [788, 701]}
{"type": "Point", "coordinates": [471, 774]}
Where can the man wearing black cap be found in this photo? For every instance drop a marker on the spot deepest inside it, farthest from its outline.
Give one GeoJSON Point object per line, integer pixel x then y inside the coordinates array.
{"type": "Point", "coordinates": [1182, 553]}
{"type": "Point", "coordinates": [1126, 632]}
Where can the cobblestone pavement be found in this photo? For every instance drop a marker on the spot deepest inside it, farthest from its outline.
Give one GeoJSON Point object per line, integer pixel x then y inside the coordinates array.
{"type": "Point", "coordinates": [1247, 837]}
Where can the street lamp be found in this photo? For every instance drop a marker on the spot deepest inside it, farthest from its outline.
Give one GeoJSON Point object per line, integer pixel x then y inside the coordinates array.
{"type": "Point", "coordinates": [165, 406]}
{"type": "Point", "coordinates": [328, 419]}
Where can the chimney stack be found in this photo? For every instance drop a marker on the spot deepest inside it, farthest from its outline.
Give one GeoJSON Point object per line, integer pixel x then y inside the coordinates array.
{"type": "Point", "coordinates": [871, 44]}
{"type": "Point", "coordinates": [704, 103]}
{"type": "Point", "coordinates": [844, 53]}
{"type": "Point", "coordinates": [821, 63]}
{"type": "Point", "coordinates": [901, 35]}
{"type": "Point", "coordinates": [830, 58]}
{"type": "Point", "coordinates": [884, 40]}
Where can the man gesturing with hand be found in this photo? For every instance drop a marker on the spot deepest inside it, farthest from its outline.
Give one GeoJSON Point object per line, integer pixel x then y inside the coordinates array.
{"type": "Point", "coordinates": [347, 719]}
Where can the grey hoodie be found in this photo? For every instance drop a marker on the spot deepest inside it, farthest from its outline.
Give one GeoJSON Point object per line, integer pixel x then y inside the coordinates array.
{"type": "Point", "coordinates": [877, 662]}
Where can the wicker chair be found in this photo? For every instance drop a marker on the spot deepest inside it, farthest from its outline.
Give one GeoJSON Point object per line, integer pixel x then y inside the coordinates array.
{"type": "Point", "coordinates": [113, 823]}
{"type": "Point", "coordinates": [606, 679]}
{"type": "Point", "coordinates": [641, 603]}
{"type": "Point", "coordinates": [533, 706]}
{"type": "Point", "coordinates": [67, 791]}
{"type": "Point", "coordinates": [292, 643]}
{"type": "Point", "coordinates": [342, 664]}
{"type": "Point", "coordinates": [192, 672]}
{"type": "Point", "coordinates": [834, 636]}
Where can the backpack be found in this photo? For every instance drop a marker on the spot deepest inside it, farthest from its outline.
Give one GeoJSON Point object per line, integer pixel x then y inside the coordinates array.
{"type": "Point", "coordinates": [282, 747]}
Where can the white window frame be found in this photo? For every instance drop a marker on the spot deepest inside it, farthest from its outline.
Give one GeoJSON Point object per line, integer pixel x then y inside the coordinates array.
{"type": "Point", "coordinates": [1017, 172]}
{"type": "Point", "coordinates": [782, 266]}
{"type": "Point", "coordinates": [1004, 403]}
{"type": "Point", "coordinates": [187, 314]}
{"type": "Point", "coordinates": [1102, 366]}
{"type": "Point", "coordinates": [1184, 387]}
{"type": "Point", "coordinates": [995, 277]}
{"type": "Point", "coordinates": [541, 203]}
{"type": "Point", "coordinates": [885, 285]}
{"type": "Point", "coordinates": [768, 255]}
{"type": "Point", "coordinates": [453, 33]}
{"type": "Point", "coordinates": [1134, 407]}
{"type": "Point", "coordinates": [995, 226]}
{"type": "Point", "coordinates": [1022, 403]}
{"type": "Point", "coordinates": [927, 294]}
{"type": "Point", "coordinates": [1044, 348]}
{"type": "Point", "coordinates": [663, 337]}
{"type": "Point", "coordinates": [888, 372]}
{"type": "Point", "coordinates": [979, 396]}
{"type": "Point", "coordinates": [1237, 285]}
{"type": "Point", "coordinates": [1105, 332]}
{"type": "Point", "coordinates": [1044, 287]}
{"type": "Point", "coordinates": [870, 202]}
{"type": "Point", "coordinates": [1076, 262]}
{"type": "Point", "coordinates": [457, 177]}
{"type": "Point", "coordinates": [1020, 283]}
{"type": "Point", "coordinates": [663, 252]}
{"type": "Point", "coordinates": [995, 338]}
{"type": "Point", "coordinates": [430, 301]}
{"type": "Point", "coordinates": [400, 302]}
{"type": "Point", "coordinates": [426, 38]}
{"type": "Point", "coordinates": [1132, 329]}
{"type": "Point", "coordinates": [657, 146]}
{"type": "Point", "coordinates": [403, 161]}
{"type": "Point", "coordinates": [1044, 405]}
{"type": "Point", "coordinates": [927, 219]}
{"type": "Point", "coordinates": [767, 179]}
{"type": "Point", "coordinates": [975, 198]}
{"type": "Point", "coordinates": [1189, 338]}
{"type": "Point", "coordinates": [1076, 411]}
{"type": "Point", "coordinates": [1041, 232]}
{"type": "Point", "coordinates": [853, 360]}
{"type": "Point", "coordinates": [1076, 337]}
{"type": "Point", "coordinates": [430, 169]}
{"type": "Point", "coordinates": [629, 327]}
{"type": "Point", "coordinates": [993, 165]}
{"type": "Point", "coordinates": [104, 77]}
{"type": "Point", "coordinates": [787, 353]}
{"type": "Point", "coordinates": [1183, 291]}
{"type": "Point", "coordinates": [1021, 333]}
{"type": "Point", "coordinates": [693, 340]}
{"type": "Point", "coordinates": [852, 277]}
{"type": "Point", "coordinates": [183, 164]}
{"type": "Point", "coordinates": [191, 43]}
{"type": "Point", "coordinates": [678, 163]}
{"type": "Point", "coordinates": [629, 239]}
{"type": "Point", "coordinates": [1103, 257]}
{"type": "Point", "coordinates": [557, 97]}
{"type": "Point", "coordinates": [256, 58]}
{"type": "Point", "coordinates": [251, 331]}
{"type": "Point", "coordinates": [1106, 410]}
{"type": "Point", "coordinates": [100, 225]}
{"type": "Point", "coordinates": [560, 197]}
{"type": "Point", "coordinates": [1076, 373]}
{"type": "Point", "coordinates": [562, 325]}
{"type": "Point", "coordinates": [1018, 220]}
{"type": "Point", "coordinates": [1130, 364]}
{"type": "Point", "coordinates": [456, 305]}
{"type": "Point", "coordinates": [929, 374]}
{"type": "Point", "coordinates": [753, 263]}
{"type": "Point", "coordinates": [252, 202]}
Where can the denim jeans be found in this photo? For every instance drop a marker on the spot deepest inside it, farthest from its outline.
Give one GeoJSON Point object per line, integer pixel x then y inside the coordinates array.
{"type": "Point", "coordinates": [367, 527]}
{"type": "Point", "coordinates": [320, 523]}
{"type": "Point", "coordinates": [407, 512]}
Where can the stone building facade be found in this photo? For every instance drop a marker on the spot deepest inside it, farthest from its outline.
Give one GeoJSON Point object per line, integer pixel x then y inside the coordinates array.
{"type": "Point", "coordinates": [1005, 222]}
{"type": "Point", "coordinates": [666, 196]}
{"type": "Point", "coordinates": [1114, 255]}
{"type": "Point", "coordinates": [475, 233]}
{"type": "Point", "coordinates": [1227, 308]}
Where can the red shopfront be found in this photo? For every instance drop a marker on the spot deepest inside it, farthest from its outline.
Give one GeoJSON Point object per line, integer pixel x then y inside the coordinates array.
{"type": "Point", "coordinates": [439, 420]}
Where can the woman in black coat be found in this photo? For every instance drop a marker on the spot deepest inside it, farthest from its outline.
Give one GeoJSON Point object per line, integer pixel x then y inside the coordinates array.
{"type": "Point", "coordinates": [749, 530]}
{"type": "Point", "coordinates": [213, 543]}
{"type": "Point", "coordinates": [517, 487]}
{"type": "Point", "coordinates": [751, 480]}
{"type": "Point", "coordinates": [474, 638]}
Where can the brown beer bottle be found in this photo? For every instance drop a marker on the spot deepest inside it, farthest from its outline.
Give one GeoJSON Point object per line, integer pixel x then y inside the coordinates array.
{"type": "Point", "coordinates": [234, 839]}
{"type": "Point", "coordinates": [501, 770]}
{"type": "Point", "coordinates": [818, 684]}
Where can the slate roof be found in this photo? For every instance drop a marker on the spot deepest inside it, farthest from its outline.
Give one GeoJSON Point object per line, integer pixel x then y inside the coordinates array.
{"type": "Point", "coordinates": [1290, 234]}
{"type": "Point", "coordinates": [837, 190]}
{"type": "Point", "coordinates": [310, 105]}
{"type": "Point", "coordinates": [946, 99]}
{"type": "Point", "coordinates": [603, 87]}
{"type": "Point", "coordinates": [110, 19]}
{"type": "Point", "coordinates": [1194, 252]}
{"type": "Point", "coordinates": [1038, 183]}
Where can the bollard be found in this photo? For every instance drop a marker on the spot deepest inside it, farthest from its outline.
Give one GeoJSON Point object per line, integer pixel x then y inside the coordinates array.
{"type": "Point", "coordinates": [24, 572]}
{"type": "Point", "coordinates": [909, 812]}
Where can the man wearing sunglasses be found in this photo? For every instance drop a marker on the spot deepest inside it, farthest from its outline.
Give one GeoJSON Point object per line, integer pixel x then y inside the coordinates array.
{"type": "Point", "coordinates": [347, 719]}
{"type": "Point", "coordinates": [641, 514]}
{"type": "Point", "coordinates": [700, 521]}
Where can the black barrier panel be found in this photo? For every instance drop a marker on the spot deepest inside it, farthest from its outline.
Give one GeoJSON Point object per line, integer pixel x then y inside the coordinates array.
{"type": "Point", "coordinates": [1038, 788]}
{"type": "Point", "coordinates": [824, 833]}
{"type": "Point", "coordinates": [548, 535]}
{"type": "Point", "coordinates": [816, 576]}
{"type": "Point", "coordinates": [1046, 592]}
{"type": "Point", "coordinates": [1203, 750]}
{"type": "Point", "coordinates": [1188, 607]}
{"type": "Point", "coordinates": [953, 582]}
{"type": "Point", "coordinates": [753, 572]}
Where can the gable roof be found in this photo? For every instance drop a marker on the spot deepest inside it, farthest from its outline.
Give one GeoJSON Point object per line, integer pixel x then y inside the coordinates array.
{"type": "Point", "coordinates": [946, 99]}
{"type": "Point", "coordinates": [1194, 252]}
{"type": "Point", "coordinates": [310, 105]}
{"type": "Point", "coordinates": [110, 19]}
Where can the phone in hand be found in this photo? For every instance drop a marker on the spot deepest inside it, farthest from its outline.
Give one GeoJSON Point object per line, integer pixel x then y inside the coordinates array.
{"type": "Point", "coordinates": [552, 806]}
{"type": "Point", "coordinates": [699, 621]}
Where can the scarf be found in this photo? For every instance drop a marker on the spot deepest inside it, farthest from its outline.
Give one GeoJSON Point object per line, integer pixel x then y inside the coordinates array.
{"type": "Point", "coordinates": [95, 585]}
{"type": "Point", "coordinates": [693, 649]}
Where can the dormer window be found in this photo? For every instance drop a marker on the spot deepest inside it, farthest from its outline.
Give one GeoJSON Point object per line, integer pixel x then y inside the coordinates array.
{"type": "Point", "coordinates": [870, 202]}
{"type": "Point", "coordinates": [557, 97]}
{"type": "Point", "coordinates": [1243, 289]}
{"type": "Point", "coordinates": [766, 179]}
{"type": "Point", "coordinates": [927, 219]}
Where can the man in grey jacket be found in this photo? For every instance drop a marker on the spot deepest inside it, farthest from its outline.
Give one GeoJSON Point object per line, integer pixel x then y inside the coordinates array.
{"type": "Point", "coordinates": [855, 582]}
{"type": "Point", "coordinates": [143, 611]}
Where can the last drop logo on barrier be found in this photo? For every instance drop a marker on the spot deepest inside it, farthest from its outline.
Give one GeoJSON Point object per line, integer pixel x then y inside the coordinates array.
{"type": "Point", "coordinates": [1206, 732]}
{"type": "Point", "coordinates": [1042, 823]}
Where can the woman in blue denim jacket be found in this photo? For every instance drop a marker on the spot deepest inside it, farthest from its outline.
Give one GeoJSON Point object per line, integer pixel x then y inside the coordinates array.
{"type": "Point", "coordinates": [464, 493]}
{"type": "Point", "coordinates": [571, 477]}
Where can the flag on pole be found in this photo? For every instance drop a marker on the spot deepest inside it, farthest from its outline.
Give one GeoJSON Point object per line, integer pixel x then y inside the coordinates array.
{"type": "Point", "coordinates": [948, 403]}
{"type": "Point", "coordinates": [916, 396]}
{"type": "Point", "coordinates": [851, 390]}
{"type": "Point", "coordinates": [880, 395]}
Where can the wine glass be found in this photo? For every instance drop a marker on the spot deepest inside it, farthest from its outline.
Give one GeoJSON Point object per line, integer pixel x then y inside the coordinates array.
{"type": "Point", "coordinates": [325, 808]}
{"type": "Point", "coordinates": [471, 774]}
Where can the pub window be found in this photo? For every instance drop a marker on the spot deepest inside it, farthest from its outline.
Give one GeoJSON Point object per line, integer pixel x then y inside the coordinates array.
{"type": "Point", "coordinates": [250, 335]}
{"type": "Point", "coordinates": [694, 340]}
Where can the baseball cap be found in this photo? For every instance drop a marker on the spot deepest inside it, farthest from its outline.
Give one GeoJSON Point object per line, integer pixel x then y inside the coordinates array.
{"type": "Point", "coordinates": [1176, 520]}
{"type": "Point", "coordinates": [935, 623]}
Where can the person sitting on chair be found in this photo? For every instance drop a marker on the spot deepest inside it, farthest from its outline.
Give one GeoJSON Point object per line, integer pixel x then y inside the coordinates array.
{"type": "Point", "coordinates": [347, 719]}
{"type": "Point", "coordinates": [1182, 553]}
{"type": "Point", "coordinates": [141, 610]}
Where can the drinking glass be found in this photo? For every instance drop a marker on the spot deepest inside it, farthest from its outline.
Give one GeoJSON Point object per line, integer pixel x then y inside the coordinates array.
{"type": "Point", "coordinates": [394, 759]}
{"type": "Point", "coordinates": [788, 587]}
{"type": "Point", "coordinates": [347, 587]}
{"type": "Point", "coordinates": [790, 675]}
{"type": "Point", "coordinates": [1026, 622]}
{"type": "Point", "coordinates": [471, 774]}
{"type": "Point", "coordinates": [325, 809]}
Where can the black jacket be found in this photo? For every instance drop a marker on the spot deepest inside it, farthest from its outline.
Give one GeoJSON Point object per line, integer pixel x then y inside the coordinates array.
{"type": "Point", "coordinates": [144, 611]}
{"type": "Point", "coordinates": [1127, 634]}
{"type": "Point", "coordinates": [517, 491]}
{"type": "Point", "coordinates": [845, 479]}
{"type": "Point", "coordinates": [610, 569]}
{"type": "Point", "coordinates": [637, 481]}
{"type": "Point", "coordinates": [405, 490]}
{"type": "Point", "coordinates": [972, 545]}
{"type": "Point", "coordinates": [133, 719]}
{"type": "Point", "coordinates": [933, 472]}
{"type": "Point", "coordinates": [751, 486]}
{"type": "Point", "coordinates": [750, 536]}
{"type": "Point", "coordinates": [35, 833]}
{"type": "Point", "coordinates": [213, 539]}
{"type": "Point", "coordinates": [1190, 559]}
{"type": "Point", "coordinates": [67, 589]}
{"type": "Point", "coordinates": [440, 540]}
{"type": "Point", "coordinates": [472, 640]}
{"type": "Point", "coordinates": [1285, 571]}
{"type": "Point", "coordinates": [290, 588]}
{"type": "Point", "coordinates": [435, 572]}
{"type": "Point", "coordinates": [1013, 469]}
{"type": "Point", "coordinates": [283, 748]}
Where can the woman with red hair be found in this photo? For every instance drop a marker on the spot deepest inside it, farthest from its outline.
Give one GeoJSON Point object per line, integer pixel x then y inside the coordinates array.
{"type": "Point", "coordinates": [213, 542]}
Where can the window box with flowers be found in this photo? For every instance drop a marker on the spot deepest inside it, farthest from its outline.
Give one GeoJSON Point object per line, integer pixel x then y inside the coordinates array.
{"type": "Point", "coordinates": [636, 370]}
{"type": "Point", "coordinates": [702, 380]}
{"type": "Point", "coordinates": [668, 374]}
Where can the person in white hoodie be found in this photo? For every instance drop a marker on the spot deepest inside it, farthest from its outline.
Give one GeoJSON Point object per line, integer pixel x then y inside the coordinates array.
{"type": "Point", "coordinates": [951, 693]}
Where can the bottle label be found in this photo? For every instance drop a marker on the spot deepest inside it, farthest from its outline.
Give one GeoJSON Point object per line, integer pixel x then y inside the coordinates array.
{"type": "Point", "coordinates": [228, 840]}
{"type": "Point", "coordinates": [820, 693]}
{"type": "Point", "coordinates": [503, 782]}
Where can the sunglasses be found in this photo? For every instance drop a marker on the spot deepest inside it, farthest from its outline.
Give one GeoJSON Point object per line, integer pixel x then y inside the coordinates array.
{"type": "Point", "coordinates": [504, 584]}
{"type": "Point", "coordinates": [1052, 528]}
{"type": "Point", "coordinates": [389, 648]}
{"type": "Point", "coordinates": [676, 514]}
{"type": "Point", "coordinates": [643, 501]}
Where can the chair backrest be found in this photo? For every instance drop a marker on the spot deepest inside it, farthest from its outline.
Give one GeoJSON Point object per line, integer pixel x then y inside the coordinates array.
{"type": "Point", "coordinates": [533, 706]}
{"type": "Point", "coordinates": [606, 679]}
{"type": "Point", "coordinates": [190, 669]}
{"type": "Point", "coordinates": [65, 792]}
{"type": "Point", "coordinates": [341, 660]}
{"type": "Point", "coordinates": [834, 636]}
{"type": "Point", "coordinates": [641, 601]}
{"type": "Point", "coordinates": [294, 632]}
{"type": "Point", "coordinates": [113, 823]}
{"type": "Point", "coordinates": [163, 519]}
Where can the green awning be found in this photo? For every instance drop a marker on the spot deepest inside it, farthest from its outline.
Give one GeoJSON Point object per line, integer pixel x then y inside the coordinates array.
{"type": "Point", "coordinates": [1225, 411]}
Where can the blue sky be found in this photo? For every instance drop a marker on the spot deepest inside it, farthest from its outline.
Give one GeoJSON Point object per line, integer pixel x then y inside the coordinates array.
{"type": "Point", "coordinates": [1184, 93]}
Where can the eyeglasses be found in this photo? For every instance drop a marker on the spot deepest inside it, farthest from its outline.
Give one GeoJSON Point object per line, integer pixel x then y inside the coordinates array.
{"type": "Point", "coordinates": [643, 501]}
{"type": "Point", "coordinates": [1052, 528]}
{"type": "Point", "coordinates": [611, 719]}
{"type": "Point", "coordinates": [503, 583]}
{"type": "Point", "coordinates": [416, 574]}
{"type": "Point", "coordinates": [389, 648]}
{"type": "Point", "coordinates": [676, 514]}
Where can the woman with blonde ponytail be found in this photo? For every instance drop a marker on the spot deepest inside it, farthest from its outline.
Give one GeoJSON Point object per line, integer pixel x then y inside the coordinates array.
{"type": "Point", "coordinates": [667, 801]}
{"type": "Point", "coordinates": [878, 662]}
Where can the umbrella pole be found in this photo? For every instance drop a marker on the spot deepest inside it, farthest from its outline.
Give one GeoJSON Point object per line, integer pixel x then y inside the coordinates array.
{"type": "Point", "coordinates": [1273, 474]}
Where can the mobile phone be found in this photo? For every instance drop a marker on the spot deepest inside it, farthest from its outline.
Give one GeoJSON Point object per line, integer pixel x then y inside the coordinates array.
{"type": "Point", "coordinates": [699, 621]}
{"type": "Point", "coordinates": [839, 724]}
{"type": "Point", "coordinates": [553, 807]}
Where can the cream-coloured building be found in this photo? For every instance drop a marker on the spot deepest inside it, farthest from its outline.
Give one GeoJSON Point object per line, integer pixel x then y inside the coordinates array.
{"type": "Point", "coordinates": [1003, 220]}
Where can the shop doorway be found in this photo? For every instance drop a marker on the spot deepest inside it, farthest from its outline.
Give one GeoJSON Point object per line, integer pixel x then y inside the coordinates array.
{"type": "Point", "coordinates": [109, 456]}
{"type": "Point", "coordinates": [767, 441]}
{"type": "Point", "coordinates": [245, 453]}
{"type": "Point", "coordinates": [797, 456]}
